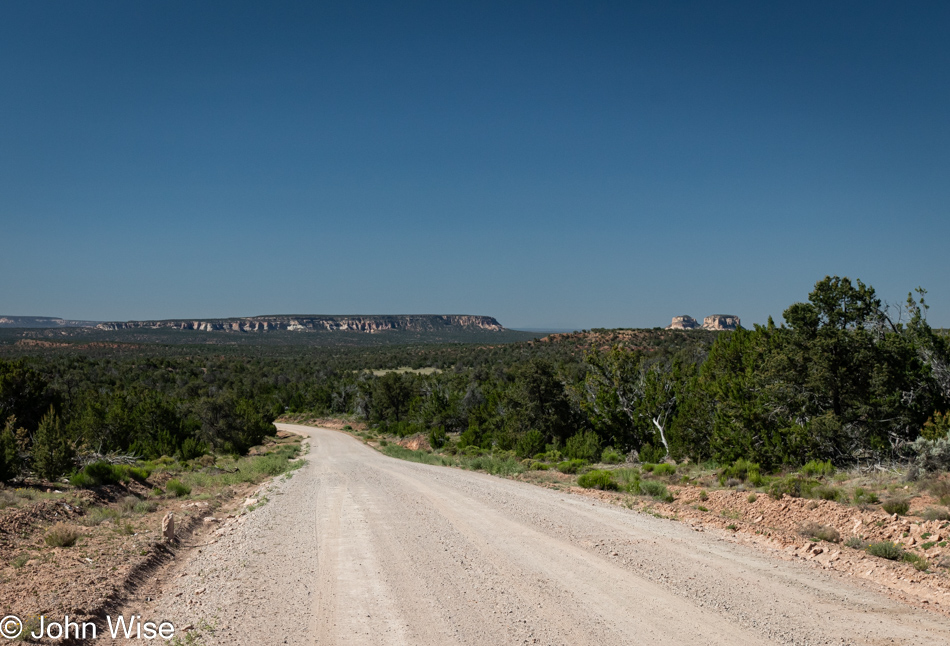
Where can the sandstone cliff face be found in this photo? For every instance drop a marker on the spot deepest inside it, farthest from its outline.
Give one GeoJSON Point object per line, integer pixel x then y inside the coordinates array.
{"type": "Point", "coordinates": [721, 322]}
{"type": "Point", "coordinates": [717, 322]}
{"type": "Point", "coordinates": [683, 323]}
{"type": "Point", "coordinates": [316, 323]}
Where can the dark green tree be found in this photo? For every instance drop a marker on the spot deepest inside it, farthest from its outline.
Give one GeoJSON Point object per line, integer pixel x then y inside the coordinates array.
{"type": "Point", "coordinates": [24, 393]}
{"type": "Point", "coordinates": [10, 462]}
{"type": "Point", "coordinates": [53, 452]}
{"type": "Point", "coordinates": [832, 343]}
{"type": "Point", "coordinates": [633, 401]}
{"type": "Point", "coordinates": [851, 383]}
{"type": "Point", "coordinates": [536, 400]}
{"type": "Point", "coordinates": [233, 425]}
{"type": "Point", "coordinates": [610, 396]}
{"type": "Point", "coordinates": [392, 396]}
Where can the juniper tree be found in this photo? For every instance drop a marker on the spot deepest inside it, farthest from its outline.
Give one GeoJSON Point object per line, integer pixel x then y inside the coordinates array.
{"type": "Point", "coordinates": [53, 452]}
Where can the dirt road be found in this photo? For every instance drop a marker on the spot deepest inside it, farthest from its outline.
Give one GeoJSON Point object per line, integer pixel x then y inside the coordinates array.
{"type": "Point", "coordinates": [358, 548]}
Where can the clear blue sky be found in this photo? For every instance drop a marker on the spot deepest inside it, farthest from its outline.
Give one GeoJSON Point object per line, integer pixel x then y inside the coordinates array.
{"type": "Point", "coordinates": [564, 165]}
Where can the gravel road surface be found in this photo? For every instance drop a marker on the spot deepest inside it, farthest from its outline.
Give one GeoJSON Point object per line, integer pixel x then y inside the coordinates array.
{"type": "Point", "coordinates": [358, 548]}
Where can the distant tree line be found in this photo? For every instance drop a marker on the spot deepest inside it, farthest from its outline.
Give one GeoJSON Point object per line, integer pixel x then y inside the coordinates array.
{"type": "Point", "coordinates": [843, 379]}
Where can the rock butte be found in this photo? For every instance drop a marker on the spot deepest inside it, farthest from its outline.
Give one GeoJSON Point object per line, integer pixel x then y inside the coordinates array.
{"type": "Point", "coordinates": [712, 322]}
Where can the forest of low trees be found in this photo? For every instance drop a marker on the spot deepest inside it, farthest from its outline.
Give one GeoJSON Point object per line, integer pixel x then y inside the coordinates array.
{"type": "Point", "coordinates": [845, 379]}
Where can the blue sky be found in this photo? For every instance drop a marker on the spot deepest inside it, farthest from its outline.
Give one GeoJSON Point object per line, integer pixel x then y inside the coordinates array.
{"type": "Point", "coordinates": [553, 164]}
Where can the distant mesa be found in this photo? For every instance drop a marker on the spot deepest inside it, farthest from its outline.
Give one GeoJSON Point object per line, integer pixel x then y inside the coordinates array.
{"type": "Point", "coordinates": [292, 323]}
{"type": "Point", "coordinates": [371, 324]}
{"type": "Point", "coordinates": [42, 322]}
{"type": "Point", "coordinates": [716, 322]}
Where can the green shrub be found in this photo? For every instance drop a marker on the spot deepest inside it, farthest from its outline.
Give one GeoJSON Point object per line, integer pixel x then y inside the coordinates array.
{"type": "Point", "coordinates": [812, 529]}
{"type": "Point", "coordinates": [83, 481]}
{"type": "Point", "coordinates": [862, 497]}
{"type": "Point", "coordinates": [656, 490]}
{"type": "Point", "coordinates": [703, 495]}
{"type": "Point", "coordinates": [919, 562]}
{"type": "Point", "coordinates": [583, 446]}
{"type": "Point", "coordinates": [571, 466]}
{"type": "Point", "coordinates": [885, 550]}
{"type": "Point", "coordinates": [817, 468]}
{"type": "Point", "coordinates": [96, 475]}
{"type": "Point", "coordinates": [530, 443]}
{"type": "Point", "coordinates": [597, 479]}
{"type": "Point", "coordinates": [932, 455]}
{"type": "Point", "coordinates": [648, 467]}
{"type": "Point", "coordinates": [192, 448]}
{"type": "Point", "coordinates": [611, 456]}
{"type": "Point", "coordinates": [936, 427]}
{"type": "Point", "coordinates": [628, 480]}
{"type": "Point", "coordinates": [104, 472]}
{"type": "Point", "coordinates": [438, 437]}
{"type": "Point", "coordinates": [650, 453]}
{"type": "Point", "coordinates": [936, 513]}
{"type": "Point", "coordinates": [145, 507]}
{"type": "Point", "coordinates": [897, 506]}
{"type": "Point", "coordinates": [138, 473]}
{"type": "Point", "coordinates": [504, 464]}
{"type": "Point", "coordinates": [61, 535]}
{"type": "Point", "coordinates": [793, 486]}
{"type": "Point", "coordinates": [476, 463]}
{"type": "Point", "coordinates": [752, 498]}
{"type": "Point", "coordinates": [827, 493]}
{"type": "Point", "coordinates": [701, 508]}
{"type": "Point", "coordinates": [664, 469]}
{"type": "Point", "coordinates": [177, 488]}
{"type": "Point", "coordinates": [97, 515]}
{"type": "Point", "coordinates": [551, 455]}
{"type": "Point", "coordinates": [856, 542]}
{"type": "Point", "coordinates": [742, 470]}
{"type": "Point", "coordinates": [539, 466]}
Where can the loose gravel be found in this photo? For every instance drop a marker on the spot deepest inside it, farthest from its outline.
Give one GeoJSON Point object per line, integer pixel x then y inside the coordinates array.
{"type": "Point", "coordinates": [359, 548]}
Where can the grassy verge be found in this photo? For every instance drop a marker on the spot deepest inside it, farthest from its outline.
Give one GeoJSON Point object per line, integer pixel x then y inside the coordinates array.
{"type": "Point", "coordinates": [149, 486]}
{"type": "Point", "coordinates": [816, 481]}
{"type": "Point", "coordinates": [502, 464]}
{"type": "Point", "coordinates": [227, 471]}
